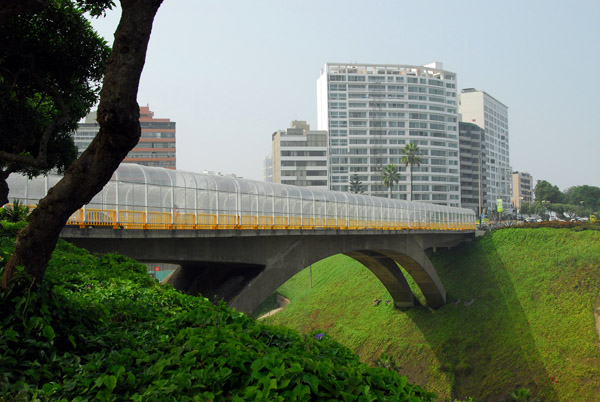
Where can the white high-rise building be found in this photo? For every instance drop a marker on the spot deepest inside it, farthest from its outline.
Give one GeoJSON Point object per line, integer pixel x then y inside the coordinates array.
{"type": "Point", "coordinates": [482, 109]}
{"type": "Point", "coordinates": [373, 110]}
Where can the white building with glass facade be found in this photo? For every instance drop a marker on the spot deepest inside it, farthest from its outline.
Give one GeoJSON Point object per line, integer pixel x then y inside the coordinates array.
{"type": "Point", "coordinates": [482, 109]}
{"type": "Point", "coordinates": [372, 111]}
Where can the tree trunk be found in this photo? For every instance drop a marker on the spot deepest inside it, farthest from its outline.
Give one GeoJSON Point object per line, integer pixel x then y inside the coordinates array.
{"type": "Point", "coordinates": [118, 117]}
{"type": "Point", "coordinates": [411, 182]}
{"type": "Point", "coordinates": [3, 187]}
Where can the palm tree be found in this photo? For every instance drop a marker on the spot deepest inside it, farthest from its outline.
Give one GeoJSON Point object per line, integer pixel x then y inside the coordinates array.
{"type": "Point", "coordinates": [411, 157]}
{"type": "Point", "coordinates": [389, 176]}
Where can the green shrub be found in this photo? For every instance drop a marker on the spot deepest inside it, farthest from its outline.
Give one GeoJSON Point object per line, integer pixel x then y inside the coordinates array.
{"type": "Point", "coordinates": [102, 329]}
{"type": "Point", "coordinates": [17, 212]}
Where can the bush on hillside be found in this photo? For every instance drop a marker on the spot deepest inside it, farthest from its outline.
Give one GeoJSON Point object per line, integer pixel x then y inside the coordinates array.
{"type": "Point", "coordinates": [99, 328]}
{"type": "Point", "coordinates": [15, 212]}
{"type": "Point", "coordinates": [577, 226]}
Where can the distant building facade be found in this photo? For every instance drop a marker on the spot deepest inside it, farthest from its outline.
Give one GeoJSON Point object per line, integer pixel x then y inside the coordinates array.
{"type": "Point", "coordinates": [299, 156]}
{"type": "Point", "coordinates": [268, 169]}
{"type": "Point", "coordinates": [480, 108]}
{"type": "Point", "coordinates": [372, 111]}
{"type": "Point", "coordinates": [522, 189]}
{"type": "Point", "coordinates": [473, 169]}
{"type": "Point", "coordinates": [157, 145]}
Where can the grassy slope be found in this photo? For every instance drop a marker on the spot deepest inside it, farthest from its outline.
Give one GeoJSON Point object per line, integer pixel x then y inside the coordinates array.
{"type": "Point", "coordinates": [531, 323]}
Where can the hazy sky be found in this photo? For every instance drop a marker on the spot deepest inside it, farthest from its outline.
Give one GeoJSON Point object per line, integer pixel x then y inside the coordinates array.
{"type": "Point", "coordinates": [230, 73]}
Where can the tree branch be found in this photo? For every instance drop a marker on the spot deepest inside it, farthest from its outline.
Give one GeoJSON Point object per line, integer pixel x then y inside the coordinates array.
{"type": "Point", "coordinates": [21, 159]}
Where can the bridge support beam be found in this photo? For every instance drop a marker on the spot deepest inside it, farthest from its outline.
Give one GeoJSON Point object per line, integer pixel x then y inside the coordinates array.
{"type": "Point", "coordinates": [422, 271]}
{"type": "Point", "coordinates": [388, 272]}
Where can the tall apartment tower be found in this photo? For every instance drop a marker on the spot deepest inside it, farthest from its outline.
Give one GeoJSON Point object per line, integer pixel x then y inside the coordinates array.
{"type": "Point", "coordinates": [522, 188]}
{"type": "Point", "coordinates": [473, 169]}
{"type": "Point", "coordinates": [373, 110]}
{"type": "Point", "coordinates": [300, 156]}
{"type": "Point", "coordinates": [157, 145]}
{"type": "Point", "coordinates": [482, 109]}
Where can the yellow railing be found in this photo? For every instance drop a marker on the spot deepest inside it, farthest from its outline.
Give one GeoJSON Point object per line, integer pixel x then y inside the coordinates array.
{"type": "Point", "coordinates": [165, 220]}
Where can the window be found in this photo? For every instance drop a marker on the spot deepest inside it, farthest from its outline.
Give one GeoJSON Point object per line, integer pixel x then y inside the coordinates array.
{"type": "Point", "coordinates": [354, 87]}
{"type": "Point", "coordinates": [356, 78]}
{"type": "Point", "coordinates": [338, 115]}
{"type": "Point", "coordinates": [337, 87]}
{"type": "Point", "coordinates": [412, 88]}
{"type": "Point", "coordinates": [338, 123]}
{"type": "Point", "coordinates": [358, 115]}
{"type": "Point", "coordinates": [355, 123]}
{"type": "Point", "coordinates": [340, 96]}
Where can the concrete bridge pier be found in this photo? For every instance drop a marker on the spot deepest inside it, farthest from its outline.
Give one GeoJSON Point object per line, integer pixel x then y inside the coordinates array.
{"type": "Point", "coordinates": [388, 272]}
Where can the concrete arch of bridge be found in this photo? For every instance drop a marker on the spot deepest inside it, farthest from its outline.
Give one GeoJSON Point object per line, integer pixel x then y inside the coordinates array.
{"type": "Point", "coordinates": [381, 261]}
{"type": "Point", "coordinates": [245, 267]}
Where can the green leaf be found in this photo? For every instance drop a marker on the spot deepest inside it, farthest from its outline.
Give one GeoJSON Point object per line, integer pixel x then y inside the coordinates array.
{"type": "Point", "coordinates": [11, 335]}
{"type": "Point", "coordinates": [72, 340]}
{"type": "Point", "coordinates": [110, 382]}
{"type": "Point", "coordinates": [312, 381]}
{"type": "Point", "coordinates": [49, 332]}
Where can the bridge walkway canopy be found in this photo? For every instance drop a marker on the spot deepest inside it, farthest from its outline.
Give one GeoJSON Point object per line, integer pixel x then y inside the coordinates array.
{"type": "Point", "coordinates": [150, 197]}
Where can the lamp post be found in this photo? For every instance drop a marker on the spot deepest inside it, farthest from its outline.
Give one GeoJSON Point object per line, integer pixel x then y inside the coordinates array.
{"type": "Point", "coordinates": [479, 168]}
{"type": "Point", "coordinates": [521, 206]}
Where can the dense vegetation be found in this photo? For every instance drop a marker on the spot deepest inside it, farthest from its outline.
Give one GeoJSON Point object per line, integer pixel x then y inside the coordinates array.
{"type": "Point", "coordinates": [575, 202]}
{"type": "Point", "coordinates": [520, 315]}
{"type": "Point", "coordinates": [100, 329]}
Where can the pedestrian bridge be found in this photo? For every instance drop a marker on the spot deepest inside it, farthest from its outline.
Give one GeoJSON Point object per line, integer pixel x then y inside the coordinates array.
{"type": "Point", "coordinates": [240, 239]}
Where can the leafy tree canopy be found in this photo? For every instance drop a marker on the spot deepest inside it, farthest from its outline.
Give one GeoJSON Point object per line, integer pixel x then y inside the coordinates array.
{"type": "Point", "coordinates": [590, 196]}
{"type": "Point", "coordinates": [544, 191]}
{"type": "Point", "coordinates": [51, 66]}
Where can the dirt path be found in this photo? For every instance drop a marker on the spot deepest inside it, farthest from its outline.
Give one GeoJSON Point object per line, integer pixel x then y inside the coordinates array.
{"type": "Point", "coordinates": [281, 302]}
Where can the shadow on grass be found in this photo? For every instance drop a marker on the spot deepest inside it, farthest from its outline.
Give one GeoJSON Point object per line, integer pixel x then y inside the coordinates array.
{"type": "Point", "coordinates": [481, 337]}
